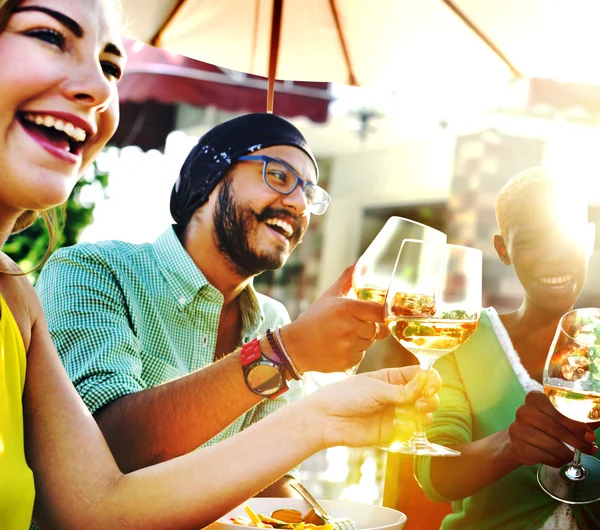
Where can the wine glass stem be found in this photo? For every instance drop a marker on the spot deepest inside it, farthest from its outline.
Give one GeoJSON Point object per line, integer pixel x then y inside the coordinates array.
{"type": "Point", "coordinates": [419, 435]}
{"type": "Point", "coordinates": [574, 471]}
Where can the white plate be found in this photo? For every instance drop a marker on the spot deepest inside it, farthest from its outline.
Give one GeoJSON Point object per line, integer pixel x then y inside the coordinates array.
{"type": "Point", "coordinates": [366, 516]}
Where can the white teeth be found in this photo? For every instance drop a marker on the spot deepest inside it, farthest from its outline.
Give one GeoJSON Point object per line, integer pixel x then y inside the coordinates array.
{"type": "Point", "coordinates": [556, 280]}
{"type": "Point", "coordinates": [286, 227]}
{"type": "Point", "coordinates": [78, 134]}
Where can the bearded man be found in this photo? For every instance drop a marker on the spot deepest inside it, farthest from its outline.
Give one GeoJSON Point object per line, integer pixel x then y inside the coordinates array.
{"type": "Point", "coordinates": [168, 343]}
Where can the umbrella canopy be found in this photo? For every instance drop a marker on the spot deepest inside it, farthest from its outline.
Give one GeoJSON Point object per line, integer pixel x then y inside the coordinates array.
{"type": "Point", "coordinates": [156, 75]}
{"type": "Point", "coordinates": [344, 41]}
{"type": "Point", "coordinates": [156, 81]}
{"type": "Point", "coordinates": [380, 41]}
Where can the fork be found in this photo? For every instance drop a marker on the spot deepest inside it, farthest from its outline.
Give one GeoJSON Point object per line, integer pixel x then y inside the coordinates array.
{"type": "Point", "coordinates": [339, 523]}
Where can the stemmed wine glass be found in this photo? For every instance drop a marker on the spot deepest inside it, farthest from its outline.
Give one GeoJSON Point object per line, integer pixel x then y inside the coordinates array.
{"type": "Point", "coordinates": [373, 270]}
{"type": "Point", "coordinates": [572, 383]}
{"type": "Point", "coordinates": [431, 308]}
{"type": "Point", "coordinates": [372, 274]}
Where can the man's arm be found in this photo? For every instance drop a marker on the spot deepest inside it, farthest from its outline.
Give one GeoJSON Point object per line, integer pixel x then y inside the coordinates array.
{"type": "Point", "coordinates": [90, 325]}
{"type": "Point", "coordinates": [175, 418]}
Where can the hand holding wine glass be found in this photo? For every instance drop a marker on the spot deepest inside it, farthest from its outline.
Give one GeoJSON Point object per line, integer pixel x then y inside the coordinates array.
{"type": "Point", "coordinates": [542, 435]}
{"type": "Point", "coordinates": [432, 307]}
{"type": "Point", "coordinates": [373, 270]}
{"type": "Point", "coordinates": [572, 383]}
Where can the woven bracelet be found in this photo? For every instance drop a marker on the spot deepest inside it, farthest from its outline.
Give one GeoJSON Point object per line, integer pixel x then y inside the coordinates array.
{"type": "Point", "coordinates": [280, 355]}
{"type": "Point", "coordinates": [295, 371]}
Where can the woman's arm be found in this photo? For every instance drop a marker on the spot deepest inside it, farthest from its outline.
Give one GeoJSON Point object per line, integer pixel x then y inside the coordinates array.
{"type": "Point", "coordinates": [79, 486]}
{"type": "Point", "coordinates": [537, 436]}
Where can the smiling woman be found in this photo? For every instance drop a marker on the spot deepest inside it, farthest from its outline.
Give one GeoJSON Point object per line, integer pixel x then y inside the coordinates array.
{"type": "Point", "coordinates": [508, 424]}
{"type": "Point", "coordinates": [62, 134]}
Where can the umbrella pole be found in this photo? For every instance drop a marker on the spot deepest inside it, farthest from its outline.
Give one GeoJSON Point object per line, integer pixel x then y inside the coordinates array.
{"type": "Point", "coordinates": [274, 52]}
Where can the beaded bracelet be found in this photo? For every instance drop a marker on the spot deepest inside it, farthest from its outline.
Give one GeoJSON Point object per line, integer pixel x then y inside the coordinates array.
{"type": "Point", "coordinates": [295, 371]}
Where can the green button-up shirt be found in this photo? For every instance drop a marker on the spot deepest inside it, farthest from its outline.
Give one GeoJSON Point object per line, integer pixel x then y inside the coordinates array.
{"type": "Point", "coordinates": [127, 317]}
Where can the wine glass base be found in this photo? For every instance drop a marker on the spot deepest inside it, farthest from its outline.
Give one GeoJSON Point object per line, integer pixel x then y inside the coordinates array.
{"type": "Point", "coordinates": [585, 491]}
{"type": "Point", "coordinates": [421, 449]}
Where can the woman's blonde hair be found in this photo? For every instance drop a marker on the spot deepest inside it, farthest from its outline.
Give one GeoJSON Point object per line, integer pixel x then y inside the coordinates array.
{"type": "Point", "coordinates": [54, 219]}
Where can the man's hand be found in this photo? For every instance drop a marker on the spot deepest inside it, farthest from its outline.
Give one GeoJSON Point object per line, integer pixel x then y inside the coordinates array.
{"type": "Point", "coordinates": [539, 434]}
{"type": "Point", "coordinates": [334, 332]}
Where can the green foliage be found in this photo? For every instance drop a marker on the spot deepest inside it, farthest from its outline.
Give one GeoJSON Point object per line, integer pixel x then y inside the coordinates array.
{"type": "Point", "coordinates": [27, 248]}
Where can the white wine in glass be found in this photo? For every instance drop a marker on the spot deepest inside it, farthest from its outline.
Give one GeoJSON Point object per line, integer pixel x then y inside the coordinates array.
{"type": "Point", "coordinates": [432, 307]}
{"type": "Point", "coordinates": [572, 383]}
{"type": "Point", "coordinates": [373, 270]}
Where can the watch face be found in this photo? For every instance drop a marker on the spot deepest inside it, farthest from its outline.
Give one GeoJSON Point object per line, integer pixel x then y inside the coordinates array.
{"type": "Point", "coordinates": [264, 379]}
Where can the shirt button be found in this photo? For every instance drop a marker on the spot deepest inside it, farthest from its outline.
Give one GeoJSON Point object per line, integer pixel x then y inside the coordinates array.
{"type": "Point", "coordinates": [182, 300]}
{"type": "Point", "coordinates": [205, 340]}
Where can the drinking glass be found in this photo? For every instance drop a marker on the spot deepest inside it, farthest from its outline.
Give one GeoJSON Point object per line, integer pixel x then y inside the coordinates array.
{"type": "Point", "coordinates": [431, 308]}
{"type": "Point", "coordinates": [373, 270]}
{"type": "Point", "coordinates": [572, 383]}
{"type": "Point", "coordinates": [372, 274]}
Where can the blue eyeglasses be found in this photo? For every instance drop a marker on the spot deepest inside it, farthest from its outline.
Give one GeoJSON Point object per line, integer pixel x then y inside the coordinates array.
{"type": "Point", "coordinates": [282, 178]}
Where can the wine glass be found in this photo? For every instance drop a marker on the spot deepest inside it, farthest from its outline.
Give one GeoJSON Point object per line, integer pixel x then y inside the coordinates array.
{"type": "Point", "coordinates": [373, 270]}
{"type": "Point", "coordinates": [372, 274]}
{"type": "Point", "coordinates": [572, 383]}
{"type": "Point", "coordinates": [431, 308]}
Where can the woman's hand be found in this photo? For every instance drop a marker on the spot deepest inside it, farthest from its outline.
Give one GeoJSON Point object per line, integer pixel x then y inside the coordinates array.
{"type": "Point", "coordinates": [369, 409]}
{"type": "Point", "coordinates": [539, 434]}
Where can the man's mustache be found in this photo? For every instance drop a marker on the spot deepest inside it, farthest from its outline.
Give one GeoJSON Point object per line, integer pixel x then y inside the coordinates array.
{"type": "Point", "coordinates": [285, 215]}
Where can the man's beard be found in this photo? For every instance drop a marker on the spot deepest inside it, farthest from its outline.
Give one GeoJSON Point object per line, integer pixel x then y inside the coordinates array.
{"type": "Point", "coordinates": [233, 226]}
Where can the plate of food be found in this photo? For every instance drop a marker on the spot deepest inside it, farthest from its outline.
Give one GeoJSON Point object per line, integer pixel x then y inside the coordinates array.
{"type": "Point", "coordinates": [296, 514]}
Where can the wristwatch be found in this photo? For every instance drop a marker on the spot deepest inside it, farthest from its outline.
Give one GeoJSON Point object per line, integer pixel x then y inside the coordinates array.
{"type": "Point", "coordinates": [263, 376]}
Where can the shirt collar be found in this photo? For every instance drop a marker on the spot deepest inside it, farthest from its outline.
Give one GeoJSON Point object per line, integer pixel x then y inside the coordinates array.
{"type": "Point", "coordinates": [185, 279]}
{"type": "Point", "coordinates": [253, 316]}
{"type": "Point", "coordinates": [182, 275]}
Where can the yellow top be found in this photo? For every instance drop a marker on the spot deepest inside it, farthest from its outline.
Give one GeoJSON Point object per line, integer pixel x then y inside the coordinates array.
{"type": "Point", "coordinates": [16, 479]}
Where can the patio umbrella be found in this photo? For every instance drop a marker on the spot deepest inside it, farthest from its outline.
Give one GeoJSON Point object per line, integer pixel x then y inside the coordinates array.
{"type": "Point", "coordinates": [356, 42]}
{"type": "Point", "coordinates": [368, 42]}
{"type": "Point", "coordinates": [156, 81]}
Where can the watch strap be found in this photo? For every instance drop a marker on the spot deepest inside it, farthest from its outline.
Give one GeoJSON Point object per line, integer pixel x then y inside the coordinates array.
{"type": "Point", "coordinates": [251, 353]}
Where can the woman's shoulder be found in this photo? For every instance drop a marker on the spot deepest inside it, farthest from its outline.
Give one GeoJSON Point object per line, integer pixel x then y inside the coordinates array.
{"type": "Point", "coordinates": [19, 295]}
